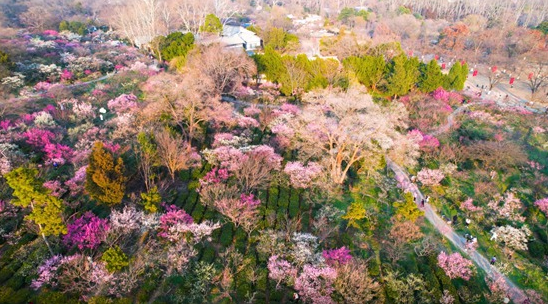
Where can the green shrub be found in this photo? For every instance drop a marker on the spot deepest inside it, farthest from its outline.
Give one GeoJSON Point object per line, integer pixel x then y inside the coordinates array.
{"type": "Point", "coordinates": [151, 200]}
{"type": "Point", "coordinates": [115, 259]}
{"type": "Point", "coordinates": [536, 249]}
{"type": "Point", "coordinates": [21, 296]}
{"type": "Point", "coordinates": [5, 274]}
{"type": "Point", "coordinates": [6, 294]}
{"type": "Point", "coordinates": [226, 235]}
{"type": "Point", "coordinates": [54, 297]}
{"type": "Point", "coordinates": [15, 282]}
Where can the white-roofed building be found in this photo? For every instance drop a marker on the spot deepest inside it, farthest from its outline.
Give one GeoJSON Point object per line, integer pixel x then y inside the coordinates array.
{"type": "Point", "coordinates": [237, 36]}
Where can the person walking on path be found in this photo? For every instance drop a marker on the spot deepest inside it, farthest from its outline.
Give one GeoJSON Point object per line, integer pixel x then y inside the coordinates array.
{"type": "Point", "coordinates": [493, 260]}
{"type": "Point", "coordinates": [422, 203]}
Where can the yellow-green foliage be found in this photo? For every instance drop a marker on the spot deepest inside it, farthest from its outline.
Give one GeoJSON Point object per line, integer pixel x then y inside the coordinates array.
{"type": "Point", "coordinates": [150, 200]}
{"type": "Point", "coordinates": [105, 179]}
{"type": "Point", "coordinates": [47, 209]}
{"type": "Point", "coordinates": [355, 213]}
{"type": "Point", "coordinates": [115, 259]}
{"type": "Point", "coordinates": [407, 210]}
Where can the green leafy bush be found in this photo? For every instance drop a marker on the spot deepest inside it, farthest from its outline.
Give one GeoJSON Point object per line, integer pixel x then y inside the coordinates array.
{"type": "Point", "coordinates": [151, 200]}
{"type": "Point", "coordinates": [115, 259]}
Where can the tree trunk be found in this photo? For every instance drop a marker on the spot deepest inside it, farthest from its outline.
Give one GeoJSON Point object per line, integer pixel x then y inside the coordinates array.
{"type": "Point", "coordinates": [45, 240]}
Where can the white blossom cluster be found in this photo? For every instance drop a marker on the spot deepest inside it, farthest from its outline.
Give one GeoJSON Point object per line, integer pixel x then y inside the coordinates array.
{"type": "Point", "coordinates": [41, 44]}
{"type": "Point", "coordinates": [14, 82]}
{"type": "Point", "coordinates": [70, 36]}
{"type": "Point", "coordinates": [44, 119]}
{"type": "Point", "coordinates": [512, 237]}
{"type": "Point", "coordinates": [304, 249]}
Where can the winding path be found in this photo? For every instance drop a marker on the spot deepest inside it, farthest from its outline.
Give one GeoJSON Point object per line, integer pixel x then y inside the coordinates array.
{"type": "Point", "coordinates": [515, 293]}
{"type": "Point", "coordinates": [35, 95]}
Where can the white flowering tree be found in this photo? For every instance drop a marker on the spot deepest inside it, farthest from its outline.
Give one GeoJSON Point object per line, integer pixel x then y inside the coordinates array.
{"type": "Point", "coordinates": [512, 237]}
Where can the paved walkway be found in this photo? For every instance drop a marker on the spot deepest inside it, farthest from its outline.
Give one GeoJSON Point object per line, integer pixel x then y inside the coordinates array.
{"type": "Point", "coordinates": [515, 293]}
{"type": "Point", "coordinates": [35, 95]}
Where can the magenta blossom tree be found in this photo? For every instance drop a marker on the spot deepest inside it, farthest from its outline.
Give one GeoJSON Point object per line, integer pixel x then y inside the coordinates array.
{"type": "Point", "coordinates": [171, 218]}
{"type": "Point", "coordinates": [214, 176]}
{"type": "Point", "coordinates": [456, 266]}
{"type": "Point", "coordinates": [86, 232]}
{"type": "Point", "coordinates": [335, 257]}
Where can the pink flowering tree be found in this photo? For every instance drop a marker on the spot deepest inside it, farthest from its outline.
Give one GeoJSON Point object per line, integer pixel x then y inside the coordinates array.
{"type": "Point", "coordinates": [76, 183]}
{"type": "Point", "coordinates": [347, 129]}
{"type": "Point", "coordinates": [430, 177]}
{"type": "Point", "coordinates": [55, 188]}
{"type": "Point", "coordinates": [123, 103]}
{"type": "Point", "coordinates": [315, 284]}
{"type": "Point", "coordinates": [252, 167]}
{"type": "Point", "coordinates": [301, 176]}
{"type": "Point", "coordinates": [247, 122]}
{"type": "Point", "coordinates": [468, 205]}
{"type": "Point", "coordinates": [38, 137]}
{"type": "Point", "coordinates": [334, 257]}
{"type": "Point", "coordinates": [542, 205]}
{"type": "Point", "coordinates": [509, 207]}
{"type": "Point", "coordinates": [214, 176]}
{"type": "Point", "coordinates": [86, 232]}
{"type": "Point", "coordinates": [47, 273]}
{"type": "Point", "coordinates": [243, 212]}
{"type": "Point", "coordinates": [429, 143]}
{"type": "Point", "coordinates": [281, 270]}
{"type": "Point", "coordinates": [456, 266]}
{"type": "Point", "coordinates": [170, 219]}
{"type": "Point", "coordinates": [441, 94]}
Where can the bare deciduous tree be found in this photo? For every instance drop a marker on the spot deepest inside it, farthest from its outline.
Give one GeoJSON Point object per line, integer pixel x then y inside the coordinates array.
{"type": "Point", "coordinates": [173, 153]}
{"type": "Point", "coordinates": [225, 68]}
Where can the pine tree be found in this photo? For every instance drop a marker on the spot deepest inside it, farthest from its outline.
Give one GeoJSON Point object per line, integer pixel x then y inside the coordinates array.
{"type": "Point", "coordinates": [404, 74]}
{"type": "Point", "coordinates": [212, 24]}
{"type": "Point", "coordinates": [431, 77]}
{"type": "Point", "coordinates": [368, 69]}
{"type": "Point", "coordinates": [454, 80]}
{"type": "Point", "coordinates": [105, 179]}
{"type": "Point", "coordinates": [273, 65]}
{"type": "Point", "coordinates": [174, 45]}
{"type": "Point", "coordinates": [151, 199]}
{"type": "Point", "coordinates": [47, 210]}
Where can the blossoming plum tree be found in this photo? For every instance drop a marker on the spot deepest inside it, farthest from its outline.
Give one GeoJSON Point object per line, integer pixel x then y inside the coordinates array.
{"type": "Point", "coordinates": [347, 129]}
{"type": "Point", "coordinates": [87, 232]}
{"type": "Point", "coordinates": [456, 266]}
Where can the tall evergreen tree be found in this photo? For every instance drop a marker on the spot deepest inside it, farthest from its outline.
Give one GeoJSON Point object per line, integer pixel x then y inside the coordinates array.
{"type": "Point", "coordinates": [212, 24]}
{"type": "Point", "coordinates": [368, 69]}
{"type": "Point", "coordinates": [46, 209]}
{"type": "Point", "coordinates": [274, 67]}
{"type": "Point", "coordinates": [403, 75]}
{"type": "Point", "coordinates": [431, 77]}
{"type": "Point", "coordinates": [456, 77]}
{"type": "Point", "coordinates": [105, 179]}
